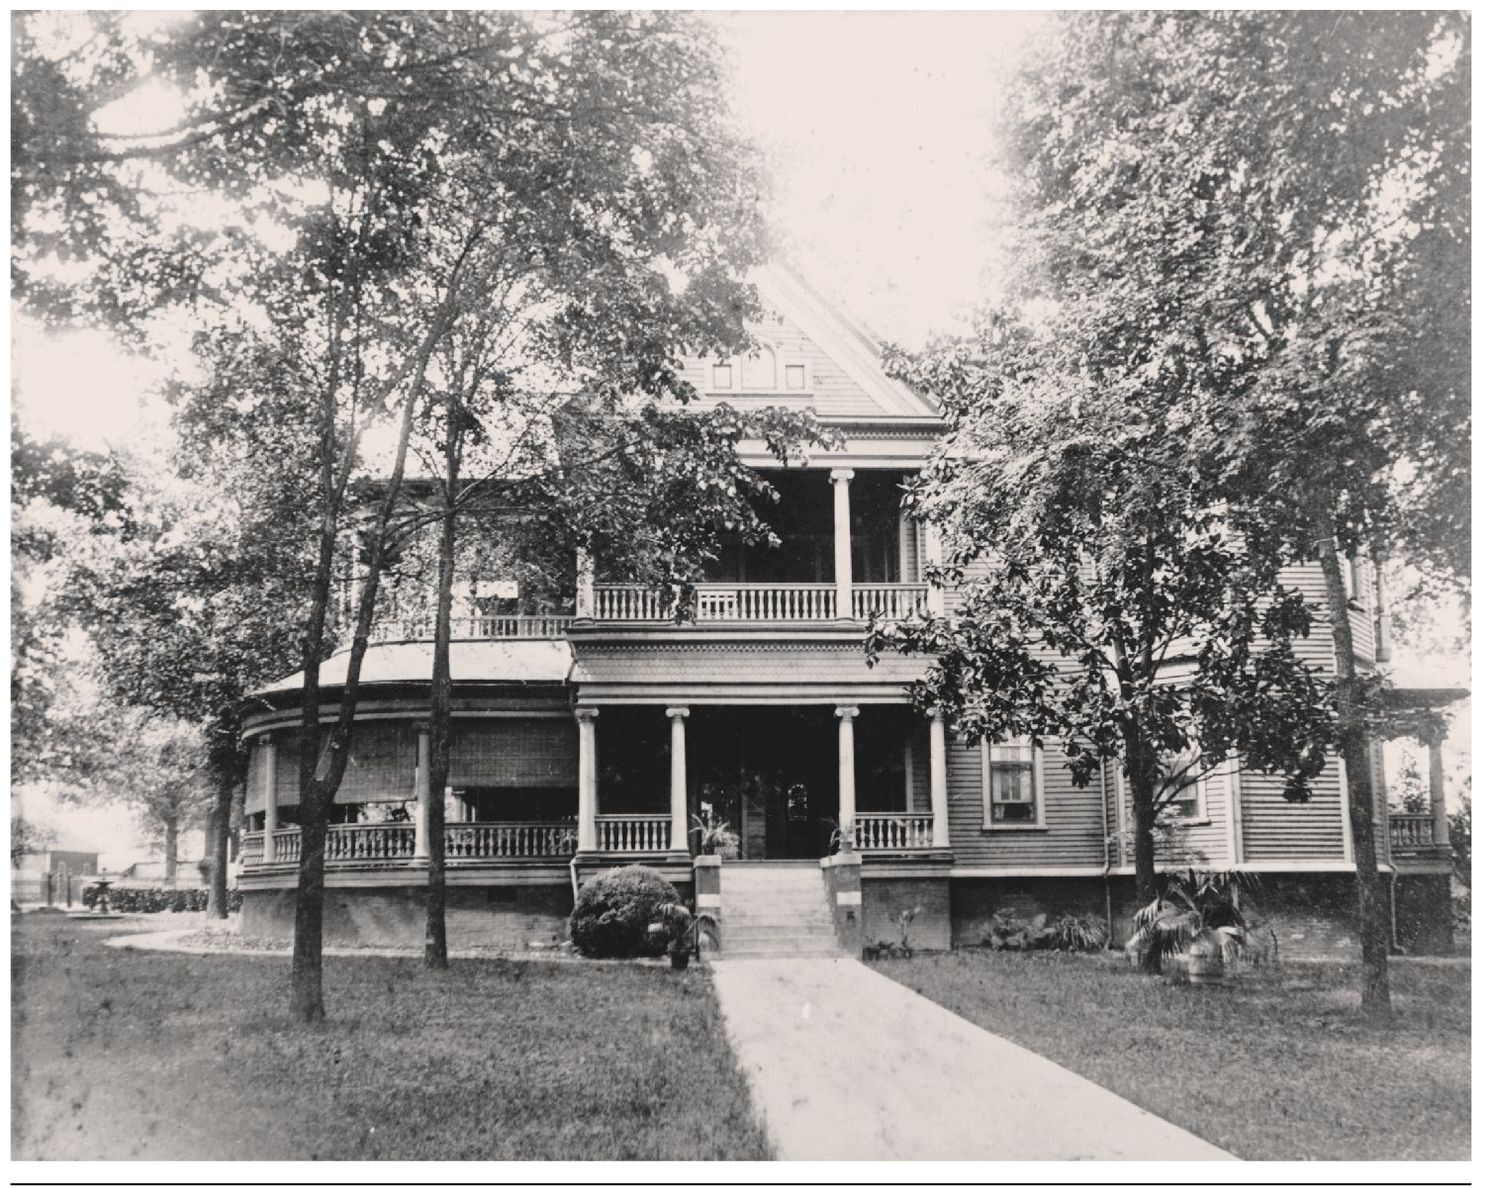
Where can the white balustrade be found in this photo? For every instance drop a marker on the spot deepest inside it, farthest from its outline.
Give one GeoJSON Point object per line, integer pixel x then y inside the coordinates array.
{"type": "Point", "coordinates": [893, 831]}
{"type": "Point", "coordinates": [632, 833]}
{"type": "Point", "coordinates": [510, 839]}
{"type": "Point", "coordinates": [285, 846]}
{"type": "Point", "coordinates": [629, 603]}
{"type": "Point", "coordinates": [389, 842]}
{"type": "Point", "coordinates": [1410, 831]}
{"type": "Point", "coordinates": [889, 600]}
{"type": "Point", "coordinates": [467, 627]}
{"type": "Point", "coordinates": [251, 849]}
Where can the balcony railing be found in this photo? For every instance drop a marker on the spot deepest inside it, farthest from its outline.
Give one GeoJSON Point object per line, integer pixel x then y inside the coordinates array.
{"type": "Point", "coordinates": [762, 602]}
{"type": "Point", "coordinates": [468, 627]}
{"type": "Point", "coordinates": [370, 843]}
{"type": "Point", "coordinates": [890, 600]}
{"type": "Point", "coordinates": [636, 833]}
{"type": "Point", "coordinates": [1410, 831]}
{"type": "Point", "coordinates": [893, 831]}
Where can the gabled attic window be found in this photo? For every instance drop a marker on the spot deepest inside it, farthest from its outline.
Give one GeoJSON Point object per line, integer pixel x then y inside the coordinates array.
{"type": "Point", "coordinates": [760, 372]}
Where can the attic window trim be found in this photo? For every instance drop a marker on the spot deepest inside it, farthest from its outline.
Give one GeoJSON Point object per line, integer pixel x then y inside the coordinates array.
{"type": "Point", "coordinates": [733, 370]}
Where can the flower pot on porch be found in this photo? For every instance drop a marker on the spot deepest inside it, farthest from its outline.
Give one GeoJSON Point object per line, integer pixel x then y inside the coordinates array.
{"type": "Point", "coordinates": [679, 959]}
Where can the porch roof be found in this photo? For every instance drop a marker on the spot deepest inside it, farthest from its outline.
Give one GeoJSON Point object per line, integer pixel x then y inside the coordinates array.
{"type": "Point", "coordinates": [485, 661]}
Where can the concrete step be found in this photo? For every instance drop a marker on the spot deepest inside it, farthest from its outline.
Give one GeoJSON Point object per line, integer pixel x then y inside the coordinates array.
{"type": "Point", "coordinates": [786, 935]}
{"type": "Point", "coordinates": [731, 954]}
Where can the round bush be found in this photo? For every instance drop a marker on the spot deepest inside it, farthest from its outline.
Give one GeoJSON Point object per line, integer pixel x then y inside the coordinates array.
{"type": "Point", "coordinates": [613, 911]}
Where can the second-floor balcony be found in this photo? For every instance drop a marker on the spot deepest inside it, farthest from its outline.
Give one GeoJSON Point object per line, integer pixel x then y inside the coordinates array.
{"type": "Point", "coordinates": [761, 602]}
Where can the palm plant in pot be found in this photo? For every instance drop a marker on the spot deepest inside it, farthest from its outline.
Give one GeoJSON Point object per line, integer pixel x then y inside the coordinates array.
{"type": "Point", "coordinates": [1199, 918]}
{"type": "Point", "coordinates": [681, 927]}
{"type": "Point", "coordinates": [714, 836]}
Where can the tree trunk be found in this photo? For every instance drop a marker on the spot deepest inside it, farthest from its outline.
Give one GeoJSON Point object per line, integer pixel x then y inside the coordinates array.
{"type": "Point", "coordinates": [1142, 815]}
{"type": "Point", "coordinates": [217, 851]}
{"type": "Point", "coordinates": [440, 734]}
{"type": "Point", "coordinates": [317, 788]}
{"type": "Point", "coordinates": [1352, 742]}
{"type": "Point", "coordinates": [173, 840]}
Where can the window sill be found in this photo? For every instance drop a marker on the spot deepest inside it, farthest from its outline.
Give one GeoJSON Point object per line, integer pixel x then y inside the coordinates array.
{"type": "Point", "coordinates": [1187, 822]}
{"type": "Point", "coordinates": [1014, 827]}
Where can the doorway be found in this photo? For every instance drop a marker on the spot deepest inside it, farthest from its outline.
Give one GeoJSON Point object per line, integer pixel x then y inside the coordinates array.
{"type": "Point", "coordinates": [771, 772]}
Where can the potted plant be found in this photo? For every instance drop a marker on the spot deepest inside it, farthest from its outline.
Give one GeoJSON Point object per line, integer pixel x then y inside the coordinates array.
{"type": "Point", "coordinates": [681, 928]}
{"type": "Point", "coordinates": [1199, 918]}
{"type": "Point", "coordinates": [714, 836]}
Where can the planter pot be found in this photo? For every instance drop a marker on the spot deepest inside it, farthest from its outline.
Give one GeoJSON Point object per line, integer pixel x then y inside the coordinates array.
{"type": "Point", "coordinates": [1204, 965]}
{"type": "Point", "coordinates": [679, 960]}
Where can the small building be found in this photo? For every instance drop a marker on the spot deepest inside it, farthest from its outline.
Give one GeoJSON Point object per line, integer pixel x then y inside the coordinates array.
{"type": "Point", "coordinates": [52, 877]}
{"type": "Point", "coordinates": [596, 737]}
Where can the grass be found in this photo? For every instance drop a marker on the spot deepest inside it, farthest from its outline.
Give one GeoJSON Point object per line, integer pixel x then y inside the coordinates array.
{"type": "Point", "coordinates": [1276, 1066]}
{"type": "Point", "coordinates": [133, 1055]}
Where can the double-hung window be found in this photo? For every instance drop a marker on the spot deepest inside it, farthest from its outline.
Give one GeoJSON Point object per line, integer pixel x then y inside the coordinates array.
{"type": "Point", "coordinates": [1012, 784]}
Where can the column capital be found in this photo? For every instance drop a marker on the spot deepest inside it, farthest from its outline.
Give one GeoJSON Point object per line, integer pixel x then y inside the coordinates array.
{"type": "Point", "coordinates": [421, 727]}
{"type": "Point", "coordinates": [841, 475]}
{"type": "Point", "coordinates": [846, 712]}
{"type": "Point", "coordinates": [677, 711]}
{"type": "Point", "coordinates": [934, 715]}
{"type": "Point", "coordinates": [587, 713]}
{"type": "Point", "coordinates": [267, 739]}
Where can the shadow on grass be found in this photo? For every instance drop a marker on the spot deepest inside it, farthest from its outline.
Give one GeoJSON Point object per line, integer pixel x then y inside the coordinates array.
{"type": "Point", "coordinates": [130, 1055]}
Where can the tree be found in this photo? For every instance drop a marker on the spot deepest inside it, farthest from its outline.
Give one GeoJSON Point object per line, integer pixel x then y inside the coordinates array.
{"type": "Point", "coordinates": [1264, 217]}
{"type": "Point", "coordinates": [382, 168]}
{"type": "Point", "coordinates": [1105, 605]}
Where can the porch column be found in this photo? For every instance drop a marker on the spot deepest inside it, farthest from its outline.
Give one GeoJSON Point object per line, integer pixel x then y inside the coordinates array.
{"type": "Point", "coordinates": [586, 810]}
{"type": "Point", "coordinates": [937, 768]}
{"type": "Point", "coordinates": [271, 808]}
{"type": "Point", "coordinates": [422, 791]}
{"type": "Point", "coordinates": [678, 793]}
{"type": "Point", "coordinates": [843, 604]}
{"type": "Point", "coordinates": [846, 715]}
{"type": "Point", "coordinates": [1440, 826]}
{"type": "Point", "coordinates": [934, 557]}
{"type": "Point", "coordinates": [585, 585]}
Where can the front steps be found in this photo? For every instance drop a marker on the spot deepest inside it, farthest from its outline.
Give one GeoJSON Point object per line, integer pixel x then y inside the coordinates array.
{"type": "Point", "coordinates": [775, 910]}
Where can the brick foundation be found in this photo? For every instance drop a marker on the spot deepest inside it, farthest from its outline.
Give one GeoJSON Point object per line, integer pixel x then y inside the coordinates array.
{"type": "Point", "coordinates": [886, 899]}
{"type": "Point", "coordinates": [510, 917]}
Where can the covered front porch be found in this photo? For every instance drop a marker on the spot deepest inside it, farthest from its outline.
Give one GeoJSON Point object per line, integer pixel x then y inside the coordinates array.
{"type": "Point", "coordinates": [621, 783]}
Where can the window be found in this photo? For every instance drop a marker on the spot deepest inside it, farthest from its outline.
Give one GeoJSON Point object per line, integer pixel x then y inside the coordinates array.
{"type": "Point", "coordinates": [1012, 781]}
{"type": "Point", "coordinates": [795, 376]}
{"type": "Point", "coordinates": [722, 376]}
{"type": "Point", "coordinates": [1351, 578]}
{"type": "Point", "coordinates": [759, 371]}
{"type": "Point", "coordinates": [1189, 803]}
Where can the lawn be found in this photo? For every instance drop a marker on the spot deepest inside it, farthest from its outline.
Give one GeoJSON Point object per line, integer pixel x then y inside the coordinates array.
{"type": "Point", "coordinates": [134, 1055]}
{"type": "Point", "coordinates": [1277, 1066]}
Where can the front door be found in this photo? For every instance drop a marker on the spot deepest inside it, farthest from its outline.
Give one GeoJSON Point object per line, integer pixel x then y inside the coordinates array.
{"type": "Point", "coordinates": [772, 772]}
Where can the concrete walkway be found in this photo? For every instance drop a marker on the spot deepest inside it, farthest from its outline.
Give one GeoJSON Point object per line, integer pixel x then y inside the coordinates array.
{"type": "Point", "coordinates": [847, 1064]}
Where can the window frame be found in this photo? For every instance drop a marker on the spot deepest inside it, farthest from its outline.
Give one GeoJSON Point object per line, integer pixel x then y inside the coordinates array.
{"type": "Point", "coordinates": [1038, 789]}
{"type": "Point", "coordinates": [729, 367]}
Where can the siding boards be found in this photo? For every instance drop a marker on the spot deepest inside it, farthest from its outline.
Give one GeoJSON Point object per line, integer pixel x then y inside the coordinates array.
{"type": "Point", "coordinates": [1074, 830]}
{"type": "Point", "coordinates": [1276, 831]}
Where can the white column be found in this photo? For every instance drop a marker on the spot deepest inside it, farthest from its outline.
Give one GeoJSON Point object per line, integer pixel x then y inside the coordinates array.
{"type": "Point", "coordinates": [934, 557]}
{"type": "Point", "coordinates": [586, 810]}
{"type": "Point", "coordinates": [843, 605]}
{"type": "Point", "coordinates": [846, 715]}
{"type": "Point", "coordinates": [271, 795]}
{"type": "Point", "coordinates": [937, 767]}
{"type": "Point", "coordinates": [422, 791]}
{"type": "Point", "coordinates": [585, 585]}
{"type": "Point", "coordinates": [1440, 825]}
{"type": "Point", "coordinates": [678, 786]}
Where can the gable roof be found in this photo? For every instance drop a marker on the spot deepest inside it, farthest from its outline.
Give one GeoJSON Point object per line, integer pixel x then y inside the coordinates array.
{"type": "Point", "coordinates": [843, 358]}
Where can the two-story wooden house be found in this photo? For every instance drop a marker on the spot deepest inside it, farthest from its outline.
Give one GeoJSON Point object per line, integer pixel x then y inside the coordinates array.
{"type": "Point", "coordinates": [593, 739]}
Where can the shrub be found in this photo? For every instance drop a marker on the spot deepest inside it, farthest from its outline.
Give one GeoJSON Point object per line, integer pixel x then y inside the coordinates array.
{"type": "Point", "coordinates": [613, 911]}
{"type": "Point", "coordinates": [1067, 933]}
{"type": "Point", "coordinates": [149, 899]}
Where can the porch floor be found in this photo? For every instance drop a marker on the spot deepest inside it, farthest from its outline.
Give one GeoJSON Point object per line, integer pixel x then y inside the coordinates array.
{"type": "Point", "coordinates": [847, 1064]}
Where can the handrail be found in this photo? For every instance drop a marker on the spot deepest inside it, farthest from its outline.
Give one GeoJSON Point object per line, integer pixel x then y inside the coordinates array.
{"type": "Point", "coordinates": [1411, 831]}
